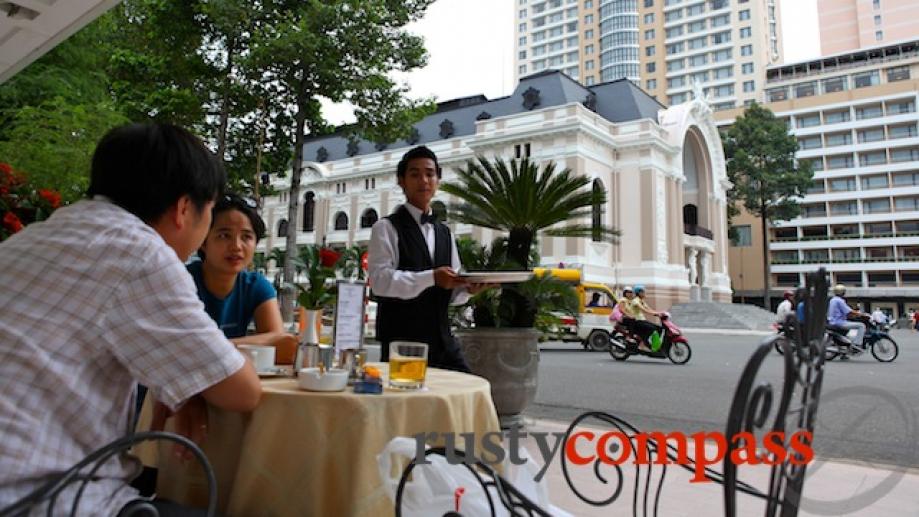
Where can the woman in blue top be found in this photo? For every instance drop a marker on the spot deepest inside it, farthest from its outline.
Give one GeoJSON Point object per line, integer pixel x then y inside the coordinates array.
{"type": "Point", "coordinates": [232, 295]}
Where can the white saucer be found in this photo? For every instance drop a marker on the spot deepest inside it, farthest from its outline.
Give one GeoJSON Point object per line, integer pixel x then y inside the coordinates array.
{"type": "Point", "coordinates": [274, 372]}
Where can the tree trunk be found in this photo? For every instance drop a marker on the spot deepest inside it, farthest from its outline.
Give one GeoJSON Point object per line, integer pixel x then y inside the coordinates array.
{"type": "Point", "coordinates": [518, 246]}
{"type": "Point", "coordinates": [225, 108]}
{"type": "Point", "coordinates": [287, 289]}
{"type": "Point", "coordinates": [766, 297]}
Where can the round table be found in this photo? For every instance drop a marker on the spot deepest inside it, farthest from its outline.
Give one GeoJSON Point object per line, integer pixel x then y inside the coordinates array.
{"type": "Point", "coordinates": [312, 453]}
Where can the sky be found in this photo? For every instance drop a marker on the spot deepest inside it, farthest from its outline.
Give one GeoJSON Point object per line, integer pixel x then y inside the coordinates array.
{"type": "Point", "coordinates": [470, 47]}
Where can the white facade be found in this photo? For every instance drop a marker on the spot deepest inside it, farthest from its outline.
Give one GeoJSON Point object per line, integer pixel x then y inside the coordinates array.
{"type": "Point", "coordinates": [641, 163]}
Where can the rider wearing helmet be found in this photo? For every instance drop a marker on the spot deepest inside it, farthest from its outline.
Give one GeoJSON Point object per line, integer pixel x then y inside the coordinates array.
{"type": "Point", "coordinates": [786, 307]}
{"type": "Point", "coordinates": [838, 314]}
{"type": "Point", "coordinates": [640, 308]}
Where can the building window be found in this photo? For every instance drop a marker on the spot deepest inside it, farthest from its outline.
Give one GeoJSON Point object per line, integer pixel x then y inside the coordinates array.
{"type": "Point", "coordinates": [879, 35]}
{"type": "Point", "coordinates": [808, 89]}
{"type": "Point", "coordinates": [282, 228]}
{"type": "Point", "coordinates": [870, 135]}
{"type": "Point", "coordinates": [694, 10]}
{"type": "Point", "coordinates": [865, 112]}
{"type": "Point", "coordinates": [904, 155]}
{"type": "Point", "coordinates": [837, 139]}
{"type": "Point", "coordinates": [521, 70]}
{"type": "Point", "coordinates": [746, 50]}
{"type": "Point", "coordinates": [589, 34]}
{"type": "Point", "coordinates": [309, 211]}
{"type": "Point", "coordinates": [589, 81]}
{"type": "Point", "coordinates": [808, 120]}
{"type": "Point", "coordinates": [522, 41]}
{"type": "Point", "coordinates": [589, 64]}
{"type": "Point", "coordinates": [834, 84]}
{"type": "Point", "coordinates": [745, 32]}
{"type": "Point", "coordinates": [872, 158]}
{"type": "Point", "coordinates": [877, 20]}
{"type": "Point", "coordinates": [368, 218]}
{"type": "Point", "coordinates": [873, 182]}
{"type": "Point", "coordinates": [522, 150]}
{"type": "Point", "coordinates": [746, 68]}
{"type": "Point", "coordinates": [744, 15]}
{"type": "Point", "coordinates": [589, 49]}
{"type": "Point", "coordinates": [835, 117]}
{"type": "Point", "coordinates": [651, 84]}
{"type": "Point", "coordinates": [777, 94]}
{"type": "Point", "coordinates": [842, 184]}
{"type": "Point", "coordinates": [877, 4]}
{"type": "Point", "coordinates": [898, 108]}
{"type": "Point", "coordinates": [649, 51]}
{"type": "Point", "coordinates": [742, 236]}
{"type": "Point", "coordinates": [341, 221]}
{"type": "Point", "coordinates": [649, 3]}
{"type": "Point", "coordinates": [522, 54]}
{"type": "Point", "coordinates": [649, 18]}
{"type": "Point", "coordinates": [897, 73]}
{"type": "Point", "coordinates": [649, 34]}
{"type": "Point", "coordinates": [907, 131]}
{"type": "Point", "coordinates": [749, 86]}
{"type": "Point", "coordinates": [522, 14]}
{"type": "Point", "coordinates": [588, 19]}
{"type": "Point", "coordinates": [650, 67]}
{"type": "Point", "coordinates": [871, 78]}
{"type": "Point", "coordinates": [597, 212]}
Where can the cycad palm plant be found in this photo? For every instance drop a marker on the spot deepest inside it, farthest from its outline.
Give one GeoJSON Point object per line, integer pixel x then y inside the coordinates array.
{"type": "Point", "coordinates": [524, 200]}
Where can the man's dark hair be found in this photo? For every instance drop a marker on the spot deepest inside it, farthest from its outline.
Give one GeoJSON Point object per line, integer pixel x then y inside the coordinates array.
{"type": "Point", "coordinates": [416, 152]}
{"type": "Point", "coordinates": [146, 168]}
{"type": "Point", "coordinates": [232, 201]}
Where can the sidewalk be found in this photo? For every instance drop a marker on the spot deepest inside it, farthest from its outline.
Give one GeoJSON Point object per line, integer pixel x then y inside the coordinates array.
{"type": "Point", "coordinates": [831, 488]}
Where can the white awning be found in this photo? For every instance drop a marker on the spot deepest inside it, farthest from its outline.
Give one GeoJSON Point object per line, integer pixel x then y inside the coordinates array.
{"type": "Point", "coordinates": [30, 28]}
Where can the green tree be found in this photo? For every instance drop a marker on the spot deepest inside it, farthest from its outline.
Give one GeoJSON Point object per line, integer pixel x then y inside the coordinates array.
{"type": "Point", "coordinates": [53, 142]}
{"type": "Point", "coordinates": [767, 179]}
{"type": "Point", "coordinates": [342, 50]}
{"type": "Point", "coordinates": [519, 198]}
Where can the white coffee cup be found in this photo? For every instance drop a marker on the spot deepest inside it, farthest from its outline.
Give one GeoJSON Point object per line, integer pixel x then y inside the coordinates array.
{"type": "Point", "coordinates": [262, 356]}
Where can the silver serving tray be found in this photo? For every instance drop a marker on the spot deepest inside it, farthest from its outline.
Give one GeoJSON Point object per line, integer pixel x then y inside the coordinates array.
{"type": "Point", "coordinates": [496, 277]}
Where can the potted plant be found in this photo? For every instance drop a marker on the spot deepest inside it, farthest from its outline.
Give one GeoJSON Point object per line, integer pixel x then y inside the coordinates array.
{"type": "Point", "coordinates": [524, 201]}
{"type": "Point", "coordinates": [318, 263]}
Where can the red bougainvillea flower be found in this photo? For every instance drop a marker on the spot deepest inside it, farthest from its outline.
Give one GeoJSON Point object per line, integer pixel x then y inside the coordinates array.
{"type": "Point", "coordinates": [51, 197]}
{"type": "Point", "coordinates": [328, 257]}
{"type": "Point", "coordinates": [11, 222]}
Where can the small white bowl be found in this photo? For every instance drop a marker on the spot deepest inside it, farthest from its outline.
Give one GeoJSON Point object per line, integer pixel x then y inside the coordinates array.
{"type": "Point", "coordinates": [335, 379]}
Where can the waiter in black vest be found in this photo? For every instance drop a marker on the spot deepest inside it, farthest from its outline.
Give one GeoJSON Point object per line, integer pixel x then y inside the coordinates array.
{"type": "Point", "coordinates": [413, 264]}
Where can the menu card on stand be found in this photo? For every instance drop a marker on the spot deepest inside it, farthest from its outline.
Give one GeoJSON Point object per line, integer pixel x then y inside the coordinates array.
{"type": "Point", "coordinates": [349, 315]}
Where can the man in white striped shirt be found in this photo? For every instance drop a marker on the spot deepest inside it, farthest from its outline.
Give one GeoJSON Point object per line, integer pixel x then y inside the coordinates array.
{"type": "Point", "coordinates": [97, 299]}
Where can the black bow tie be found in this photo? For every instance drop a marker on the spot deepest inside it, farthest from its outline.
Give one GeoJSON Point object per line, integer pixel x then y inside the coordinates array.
{"type": "Point", "coordinates": [428, 218]}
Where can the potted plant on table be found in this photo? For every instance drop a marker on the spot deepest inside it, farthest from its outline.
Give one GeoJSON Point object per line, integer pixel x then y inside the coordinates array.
{"type": "Point", "coordinates": [521, 199]}
{"type": "Point", "coordinates": [318, 263]}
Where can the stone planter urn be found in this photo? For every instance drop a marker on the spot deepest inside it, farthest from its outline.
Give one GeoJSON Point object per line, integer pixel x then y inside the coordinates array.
{"type": "Point", "coordinates": [509, 359]}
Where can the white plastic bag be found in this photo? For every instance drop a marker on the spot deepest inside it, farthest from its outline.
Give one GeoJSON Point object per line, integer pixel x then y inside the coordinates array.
{"type": "Point", "coordinates": [430, 490]}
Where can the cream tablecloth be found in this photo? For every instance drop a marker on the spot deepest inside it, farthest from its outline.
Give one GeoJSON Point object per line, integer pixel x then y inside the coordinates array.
{"type": "Point", "coordinates": [314, 454]}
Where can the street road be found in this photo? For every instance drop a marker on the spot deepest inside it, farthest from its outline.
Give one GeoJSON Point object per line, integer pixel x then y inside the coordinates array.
{"type": "Point", "coordinates": [867, 409]}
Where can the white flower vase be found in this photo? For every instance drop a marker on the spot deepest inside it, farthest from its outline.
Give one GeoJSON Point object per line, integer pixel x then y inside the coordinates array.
{"type": "Point", "coordinates": [310, 330]}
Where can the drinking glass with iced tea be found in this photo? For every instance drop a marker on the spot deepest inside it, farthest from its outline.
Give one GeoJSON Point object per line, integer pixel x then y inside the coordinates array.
{"type": "Point", "coordinates": [408, 362]}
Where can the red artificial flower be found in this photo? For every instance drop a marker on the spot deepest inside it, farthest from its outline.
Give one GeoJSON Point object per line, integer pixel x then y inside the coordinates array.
{"type": "Point", "coordinates": [328, 257]}
{"type": "Point", "coordinates": [51, 197]}
{"type": "Point", "coordinates": [11, 222]}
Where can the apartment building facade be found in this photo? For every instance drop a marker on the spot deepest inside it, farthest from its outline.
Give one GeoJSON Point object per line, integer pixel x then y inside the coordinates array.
{"type": "Point", "coordinates": [847, 25]}
{"type": "Point", "coordinates": [854, 115]}
{"type": "Point", "coordinates": [665, 46]}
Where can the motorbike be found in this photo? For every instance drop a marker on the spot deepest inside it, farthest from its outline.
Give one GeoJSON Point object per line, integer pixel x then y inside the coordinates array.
{"type": "Point", "coordinates": [882, 346]}
{"type": "Point", "coordinates": [674, 346]}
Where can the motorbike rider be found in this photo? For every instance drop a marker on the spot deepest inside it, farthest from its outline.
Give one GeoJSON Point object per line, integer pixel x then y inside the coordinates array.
{"type": "Point", "coordinates": [839, 312]}
{"type": "Point", "coordinates": [630, 314]}
{"type": "Point", "coordinates": [786, 307]}
{"type": "Point", "coordinates": [641, 309]}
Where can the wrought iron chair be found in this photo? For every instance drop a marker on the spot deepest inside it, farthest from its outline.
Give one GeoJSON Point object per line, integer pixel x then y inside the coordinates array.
{"type": "Point", "coordinates": [754, 408]}
{"type": "Point", "coordinates": [49, 492]}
